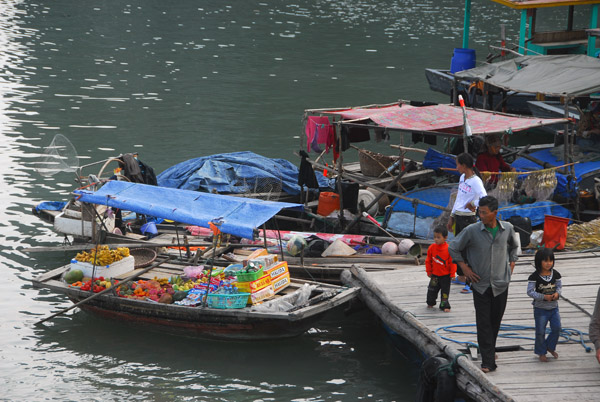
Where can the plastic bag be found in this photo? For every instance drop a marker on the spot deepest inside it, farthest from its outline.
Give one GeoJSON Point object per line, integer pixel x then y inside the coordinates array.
{"type": "Point", "coordinates": [536, 237]}
{"type": "Point", "coordinates": [193, 271]}
{"type": "Point", "coordinates": [287, 302]}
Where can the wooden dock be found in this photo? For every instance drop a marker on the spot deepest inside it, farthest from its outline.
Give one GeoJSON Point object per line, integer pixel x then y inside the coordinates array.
{"type": "Point", "coordinates": [398, 298]}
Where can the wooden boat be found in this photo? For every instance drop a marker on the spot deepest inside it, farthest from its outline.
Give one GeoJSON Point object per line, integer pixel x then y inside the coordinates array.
{"type": "Point", "coordinates": [247, 323]}
{"type": "Point", "coordinates": [530, 42]}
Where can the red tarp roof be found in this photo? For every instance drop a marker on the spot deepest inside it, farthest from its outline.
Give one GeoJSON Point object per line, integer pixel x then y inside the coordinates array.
{"type": "Point", "coordinates": [443, 119]}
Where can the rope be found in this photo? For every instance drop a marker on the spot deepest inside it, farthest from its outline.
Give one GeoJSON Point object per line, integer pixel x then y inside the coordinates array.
{"type": "Point", "coordinates": [566, 333]}
{"type": "Point", "coordinates": [450, 366]}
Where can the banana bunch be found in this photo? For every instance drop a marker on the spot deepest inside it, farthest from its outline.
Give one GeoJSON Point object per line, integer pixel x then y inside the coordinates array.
{"type": "Point", "coordinates": [162, 281]}
{"type": "Point", "coordinates": [103, 255]}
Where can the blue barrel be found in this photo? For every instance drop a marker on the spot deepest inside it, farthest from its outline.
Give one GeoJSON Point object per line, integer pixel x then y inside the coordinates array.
{"type": "Point", "coordinates": [462, 59]}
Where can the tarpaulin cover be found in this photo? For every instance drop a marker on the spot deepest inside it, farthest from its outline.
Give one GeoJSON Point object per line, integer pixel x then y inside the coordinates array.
{"type": "Point", "coordinates": [522, 164]}
{"type": "Point", "coordinates": [440, 195]}
{"type": "Point", "coordinates": [444, 119]}
{"type": "Point", "coordinates": [233, 173]}
{"type": "Point", "coordinates": [560, 75]}
{"type": "Point", "coordinates": [239, 216]}
{"type": "Point", "coordinates": [435, 160]}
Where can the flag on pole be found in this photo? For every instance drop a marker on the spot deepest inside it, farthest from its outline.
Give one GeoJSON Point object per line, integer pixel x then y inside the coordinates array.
{"type": "Point", "coordinates": [468, 131]}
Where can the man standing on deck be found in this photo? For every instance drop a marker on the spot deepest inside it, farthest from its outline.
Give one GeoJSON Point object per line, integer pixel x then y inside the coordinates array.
{"type": "Point", "coordinates": [491, 250]}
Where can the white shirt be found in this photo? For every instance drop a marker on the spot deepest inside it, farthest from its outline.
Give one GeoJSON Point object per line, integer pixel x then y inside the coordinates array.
{"type": "Point", "coordinates": [469, 190]}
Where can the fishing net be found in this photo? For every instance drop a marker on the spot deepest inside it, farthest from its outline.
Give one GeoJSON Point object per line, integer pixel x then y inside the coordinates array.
{"type": "Point", "coordinates": [59, 156]}
{"type": "Point", "coordinates": [266, 186]}
{"type": "Point", "coordinates": [582, 236]}
{"type": "Point", "coordinates": [507, 183]}
{"type": "Point", "coordinates": [540, 184]}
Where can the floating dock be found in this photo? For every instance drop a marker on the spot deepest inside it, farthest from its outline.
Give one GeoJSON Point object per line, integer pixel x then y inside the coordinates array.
{"type": "Point", "coordinates": [398, 298]}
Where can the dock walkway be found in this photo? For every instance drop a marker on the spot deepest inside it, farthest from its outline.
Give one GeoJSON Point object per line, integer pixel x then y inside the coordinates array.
{"type": "Point", "coordinates": [398, 298]}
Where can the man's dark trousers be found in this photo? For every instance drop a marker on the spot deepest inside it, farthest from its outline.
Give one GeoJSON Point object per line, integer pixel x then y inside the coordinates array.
{"type": "Point", "coordinates": [488, 315]}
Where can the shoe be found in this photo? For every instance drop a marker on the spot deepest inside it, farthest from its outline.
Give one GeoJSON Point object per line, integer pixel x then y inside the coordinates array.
{"type": "Point", "coordinates": [487, 369]}
{"type": "Point", "coordinates": [466, 289]}
{"type": "Point", "coordinates": [457, 282]}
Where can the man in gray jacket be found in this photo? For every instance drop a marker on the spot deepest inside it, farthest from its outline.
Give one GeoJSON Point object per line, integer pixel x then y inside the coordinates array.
{"type": "Point", "coordinates": [491, 250]}
{"type": "Point", "coordinates": [594, 329]}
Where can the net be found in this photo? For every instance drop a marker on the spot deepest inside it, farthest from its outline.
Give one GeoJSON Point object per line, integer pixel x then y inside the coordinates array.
{"type": "Point", "coordinates": [59, 156]}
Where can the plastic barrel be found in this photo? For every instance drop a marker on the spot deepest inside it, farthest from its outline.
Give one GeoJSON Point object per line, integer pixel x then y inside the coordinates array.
{"type": "Point", "coordinates": [328, 202]}
{"type": "Point", "coordinates": [462, 59]}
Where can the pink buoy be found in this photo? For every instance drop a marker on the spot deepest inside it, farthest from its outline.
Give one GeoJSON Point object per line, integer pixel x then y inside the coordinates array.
{"type": "Point", "coordinates": [389, 248]}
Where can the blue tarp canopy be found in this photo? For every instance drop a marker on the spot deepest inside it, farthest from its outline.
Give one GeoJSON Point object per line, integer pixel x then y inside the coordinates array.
{"type": "Point", "coordinates": [234, 173]}
{"type": "Point", "coordinates": [440, 195]}
{"type": "Point", "coordinates": [239, 216]}
{"type": "Point", "coordinates": [545, 155]}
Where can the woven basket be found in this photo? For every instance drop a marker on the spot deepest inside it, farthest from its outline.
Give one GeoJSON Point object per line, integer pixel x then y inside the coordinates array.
{"type": "Point", "coordinates": [142, 256]}
{"type": "Point", "coordinates": [373, 163]}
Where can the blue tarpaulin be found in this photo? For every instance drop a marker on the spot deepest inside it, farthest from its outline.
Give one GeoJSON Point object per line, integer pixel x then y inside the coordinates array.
{"type": "Point", "coordinates": [436, 160]}
{"type": "Point", "coordinates": [522, 164]}
{"type": "Point", "coordinates": [440, 195]}
{"type": "Point", "coordinates": [234, 173]}
{"type": "Point", "coordinates": [239, 216]}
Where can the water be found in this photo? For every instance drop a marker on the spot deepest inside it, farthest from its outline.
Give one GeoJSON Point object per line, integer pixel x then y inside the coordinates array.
{"type": "Point", "coordinates": [172, 82]}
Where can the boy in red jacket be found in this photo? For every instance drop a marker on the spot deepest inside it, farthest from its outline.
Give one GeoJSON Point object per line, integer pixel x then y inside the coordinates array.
{"type": "Point", "coordinates": [440, 269]}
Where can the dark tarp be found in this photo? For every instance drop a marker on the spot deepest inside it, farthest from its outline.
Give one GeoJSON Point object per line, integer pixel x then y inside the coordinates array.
{"type": "Point", "coordinates": [235, 173]}
{"type": "Point", "coordinates": [239, 216]}
{"type": "Point", "coordinates": [560, 75]}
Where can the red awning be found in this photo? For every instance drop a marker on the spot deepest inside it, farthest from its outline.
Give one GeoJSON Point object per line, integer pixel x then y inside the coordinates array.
{"type": "Point", "coordinates": [442, 119]}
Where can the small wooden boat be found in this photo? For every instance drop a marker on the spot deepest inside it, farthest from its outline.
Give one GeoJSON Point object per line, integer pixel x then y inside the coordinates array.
{"type": "Point", "coordinates": [248, 323]}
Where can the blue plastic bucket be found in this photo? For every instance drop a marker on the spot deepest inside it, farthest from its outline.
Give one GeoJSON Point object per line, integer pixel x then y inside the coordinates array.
{"type": "Point", "coordinates": [462, 59]}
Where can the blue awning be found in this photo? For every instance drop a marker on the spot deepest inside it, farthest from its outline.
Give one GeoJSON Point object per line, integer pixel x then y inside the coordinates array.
{"type": "Point", "coordinates": [239, 216]}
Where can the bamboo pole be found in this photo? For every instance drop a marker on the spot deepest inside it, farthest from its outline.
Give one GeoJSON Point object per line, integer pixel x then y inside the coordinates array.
{"type": "Point", "coordinates": [519, 173]}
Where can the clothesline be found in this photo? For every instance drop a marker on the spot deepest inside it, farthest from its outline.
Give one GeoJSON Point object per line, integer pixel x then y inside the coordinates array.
{"type": "Point", "coordinates": [517, 173]}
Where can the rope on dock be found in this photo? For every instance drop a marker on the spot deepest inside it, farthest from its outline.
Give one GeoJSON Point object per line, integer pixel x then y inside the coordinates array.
{"type": "Point", "coordinates": [566, 333]}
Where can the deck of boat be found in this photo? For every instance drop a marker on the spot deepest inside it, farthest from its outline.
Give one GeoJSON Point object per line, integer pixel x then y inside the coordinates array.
{"type": "Point", "coordinates": [520, 376]}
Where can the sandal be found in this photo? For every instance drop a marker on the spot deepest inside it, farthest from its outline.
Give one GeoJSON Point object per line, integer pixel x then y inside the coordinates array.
{"type": "Point", "coordinates": [457, 282]}
{"type": "Point", "coordinates": [486, 369]}
{"type": "Point", "coordinates": [466, 289]}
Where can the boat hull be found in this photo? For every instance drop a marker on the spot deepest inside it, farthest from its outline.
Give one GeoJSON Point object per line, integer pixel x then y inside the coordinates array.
{"type": "Point", "coordinates": [205, 322]}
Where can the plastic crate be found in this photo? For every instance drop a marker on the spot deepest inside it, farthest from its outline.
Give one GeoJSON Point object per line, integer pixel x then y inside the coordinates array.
{"type": "Point", "coordinates": [222, 300]}
{"type": "Point", "coordinates": [250, 276]}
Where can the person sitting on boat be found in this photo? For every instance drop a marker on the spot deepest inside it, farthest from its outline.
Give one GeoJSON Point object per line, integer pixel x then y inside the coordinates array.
{"type": "Point", "coordinates": [490, 159]}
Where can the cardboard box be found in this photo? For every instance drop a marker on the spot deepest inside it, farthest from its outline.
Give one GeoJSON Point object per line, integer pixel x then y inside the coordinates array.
{"type": "Point", "coordinates": [254, 286]}
{"type": "Point", "coordinates": [261, 295]}
{"type": "Point", "coordinates": [267, 260]}
{"type": "Point", "coordinates": [277, 270]}
{"type": "Point", "coordinates": [255, 254]}
{"type": "Point", "coordinates": [281, 282]}
{"type": "Point", "coordinates": [108, 271]}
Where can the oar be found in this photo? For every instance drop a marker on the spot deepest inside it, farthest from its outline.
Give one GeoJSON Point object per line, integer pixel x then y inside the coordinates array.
{"type": "Point", "coordinates": [129, 279]}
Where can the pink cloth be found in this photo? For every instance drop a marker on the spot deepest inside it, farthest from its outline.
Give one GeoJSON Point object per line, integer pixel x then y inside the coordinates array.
{"type": "Point", "coordinates": [319, 131]}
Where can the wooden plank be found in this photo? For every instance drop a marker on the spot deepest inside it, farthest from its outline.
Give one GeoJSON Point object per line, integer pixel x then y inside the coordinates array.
{"type": "Point", "coordinates": [520, 373]}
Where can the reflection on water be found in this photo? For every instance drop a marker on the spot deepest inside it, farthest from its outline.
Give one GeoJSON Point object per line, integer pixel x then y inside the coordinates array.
{"type": "Point", "coordinates": [176, 81]}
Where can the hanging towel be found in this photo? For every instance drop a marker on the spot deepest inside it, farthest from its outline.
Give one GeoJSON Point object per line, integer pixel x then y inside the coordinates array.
{"type": "Point", "coordinates": [319, 131]}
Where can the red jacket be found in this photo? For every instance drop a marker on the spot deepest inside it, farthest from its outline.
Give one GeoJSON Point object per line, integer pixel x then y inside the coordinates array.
{"type": "Point", "coordinates": [491, 163]}
{"type": "Point", "coordinates": [439, 262]}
